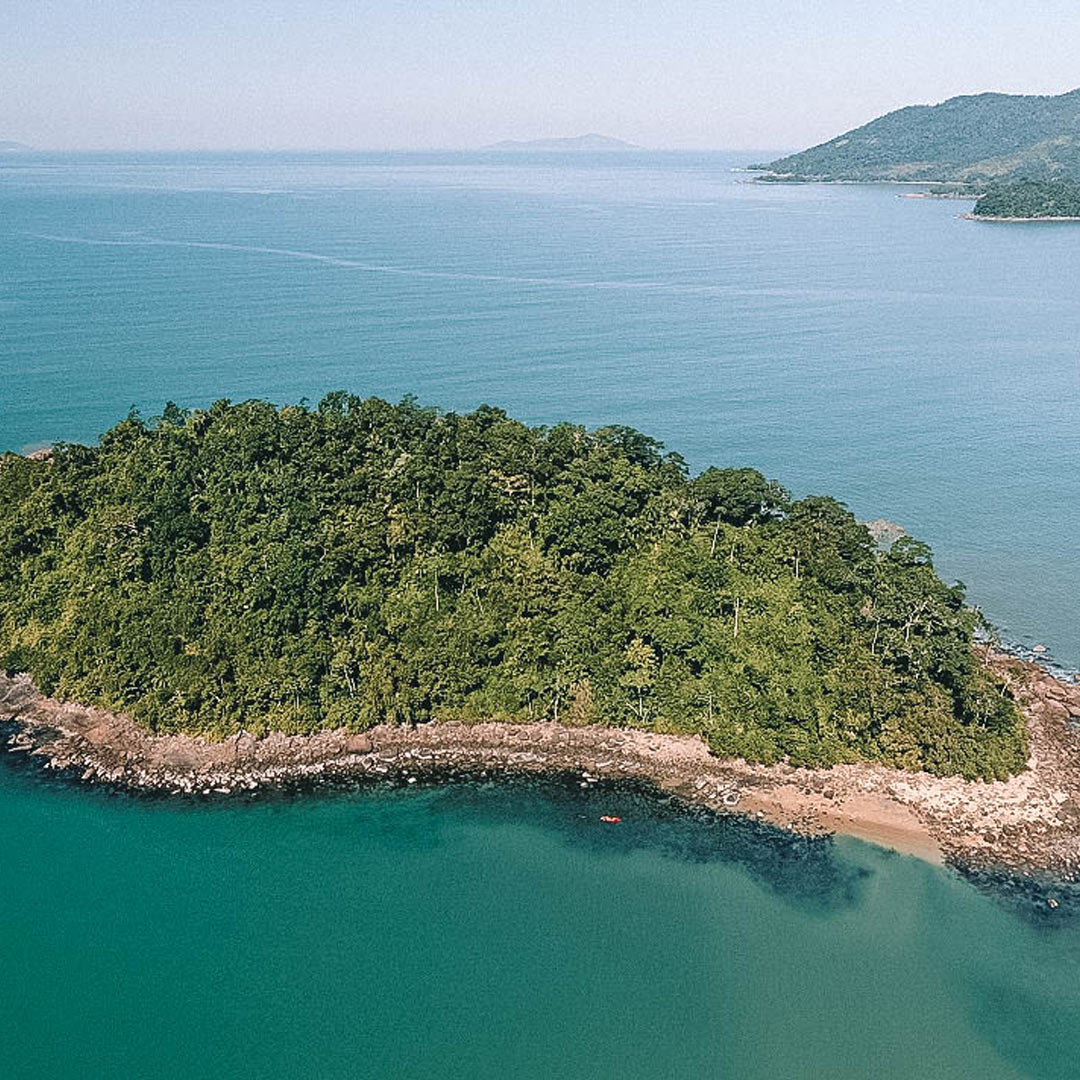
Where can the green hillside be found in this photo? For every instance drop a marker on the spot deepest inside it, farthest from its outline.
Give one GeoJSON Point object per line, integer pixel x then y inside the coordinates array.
{"type": "Point", "coordinates": [975, 138]}
{"type": "Point", "coordinates": [1031, 199]}
{"type": "Point", "coordinates": [289, 569]}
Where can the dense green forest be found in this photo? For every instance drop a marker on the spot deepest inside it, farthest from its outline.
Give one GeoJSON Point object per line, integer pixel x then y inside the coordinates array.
{"type": "Point", "coordinates": [974, 138]}
{"type": "Point", "coordinates": [1031, 199]}
{"type": "Point", "coordinates": [363, 562]}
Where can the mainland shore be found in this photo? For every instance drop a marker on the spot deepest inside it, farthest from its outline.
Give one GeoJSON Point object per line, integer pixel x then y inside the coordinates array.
{"type": "Point", "coordinates": [1029, 824]}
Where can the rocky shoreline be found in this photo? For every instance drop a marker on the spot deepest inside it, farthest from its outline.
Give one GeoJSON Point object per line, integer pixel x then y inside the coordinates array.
{"type": "Point", "coordinates": [1029, 824]}
{"type": "Point", "coordinates": [997, 217]}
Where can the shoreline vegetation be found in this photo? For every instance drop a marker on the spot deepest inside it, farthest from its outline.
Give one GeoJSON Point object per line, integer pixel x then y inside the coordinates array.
{"type": "Point", "coordinates": [1027, 825]}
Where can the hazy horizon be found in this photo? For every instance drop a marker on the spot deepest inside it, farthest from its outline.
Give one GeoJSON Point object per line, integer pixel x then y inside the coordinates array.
{"type": "Point", "coordinates": [440, 75]}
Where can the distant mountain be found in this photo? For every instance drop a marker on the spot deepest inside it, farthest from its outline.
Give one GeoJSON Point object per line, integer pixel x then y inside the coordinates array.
{"type": "Point", "coordinates": [7, 146]}
{"type": "Point", "coordinates": [577, 142]}
{"type": "Point", "coordinates": [975, 138]}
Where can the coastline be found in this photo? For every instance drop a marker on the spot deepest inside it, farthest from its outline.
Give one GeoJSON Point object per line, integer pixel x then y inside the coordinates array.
{"type": "Point", "coordinates": [939, 195]}
{"type": "Point", "coordinates": [1029, 824]}
{"type": "Point", "coordinates": [766, 177]}
{"type": "Point", "coordinates": [1021, 220]}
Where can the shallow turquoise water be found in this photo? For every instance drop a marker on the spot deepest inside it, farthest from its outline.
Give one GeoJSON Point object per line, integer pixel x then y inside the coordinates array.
{"type": "Point", "coordinates": [845, 340]}
{"type": "Point", "coordinates": [500, 932]}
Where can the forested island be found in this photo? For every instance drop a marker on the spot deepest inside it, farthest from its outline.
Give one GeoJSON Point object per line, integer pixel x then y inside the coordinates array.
{"type": "Point", "coordinates": [972, 139]}
{"type": "Point", "coordinates": [298, 569]}
{"type": "Point", "coordinates": [1030, 200]}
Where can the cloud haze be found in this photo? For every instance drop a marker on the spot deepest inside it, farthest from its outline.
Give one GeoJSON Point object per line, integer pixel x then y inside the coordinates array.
{"type": "Point", "coordinates": [269, 74]}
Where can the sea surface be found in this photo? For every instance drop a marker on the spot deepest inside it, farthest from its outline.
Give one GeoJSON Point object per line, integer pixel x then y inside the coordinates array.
{"type": "Point", "coordinates": [502, 932]}
{"type": "Point", "coordinates": [842, 339]}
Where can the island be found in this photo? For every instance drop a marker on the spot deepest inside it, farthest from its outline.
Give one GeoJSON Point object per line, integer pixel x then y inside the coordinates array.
{"type": "Point", "coordinates": [972, 139]}
{"type": "Point", "coordinates": [576, 143]}
{"type": "Point", "coordinates": [216, 600]}
{"type": "Point", "coordinates": [1029, 200]}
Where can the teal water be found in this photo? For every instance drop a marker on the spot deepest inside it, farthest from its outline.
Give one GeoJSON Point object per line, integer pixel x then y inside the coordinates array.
{"type": "Point", "coordinates": [844, 340]}
{"type": "Point", "coordinates": [497, 932]}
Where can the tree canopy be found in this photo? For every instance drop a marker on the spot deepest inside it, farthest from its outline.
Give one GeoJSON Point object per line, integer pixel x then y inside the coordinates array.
{"type": "Point", "coordinates": [1031, 199]}
{"type": "Point", "coordinates": [361, 562]}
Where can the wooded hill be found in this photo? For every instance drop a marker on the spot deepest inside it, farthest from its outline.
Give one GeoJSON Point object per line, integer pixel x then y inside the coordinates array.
{"type": "Point", "coordinates": [1031, 199]}
{"type": "Point", "coordinates": [974, 138]}
{"type": "Point", "coordinates": [249, 566]}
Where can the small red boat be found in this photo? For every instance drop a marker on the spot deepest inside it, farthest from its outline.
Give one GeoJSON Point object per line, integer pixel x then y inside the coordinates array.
{"type": "Point", "coordinates": [610, 819]}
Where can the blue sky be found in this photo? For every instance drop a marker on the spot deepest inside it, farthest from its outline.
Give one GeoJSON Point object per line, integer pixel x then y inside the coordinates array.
{"type": "Point", "coordinates": [270, 74]}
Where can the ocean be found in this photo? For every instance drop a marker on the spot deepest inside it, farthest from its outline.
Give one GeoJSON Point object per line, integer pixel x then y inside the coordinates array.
{"type": "Point", "coordinates": [502, 931]}
{"type": "Point", "coordinates": [842, 339]}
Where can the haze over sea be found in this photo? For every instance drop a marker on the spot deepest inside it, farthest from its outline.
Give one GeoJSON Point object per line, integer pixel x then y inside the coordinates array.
{"type": "Point", "coordinates": [916, 366]}
{"type": "Point", "coordinates": [841, 339]}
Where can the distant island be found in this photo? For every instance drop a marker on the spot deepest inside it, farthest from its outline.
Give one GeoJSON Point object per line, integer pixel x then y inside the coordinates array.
{"type": "Point", "coordinates": [1030, 200]}
{"type": "Point", "coordinates": [7, 146]}
{"type": "Point", "coordinates": [591, 142]}
{"type": "Point", "coordinates": [973, 139]}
